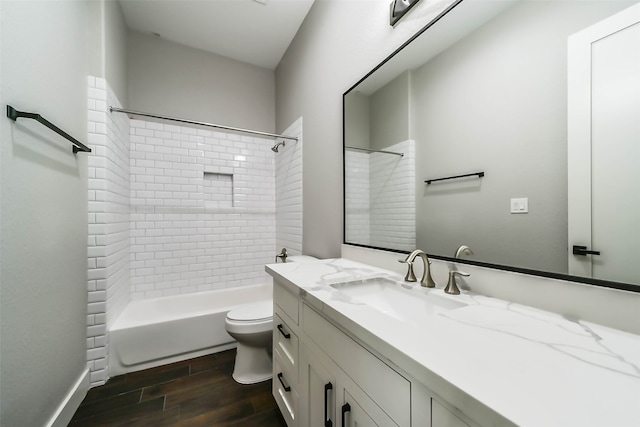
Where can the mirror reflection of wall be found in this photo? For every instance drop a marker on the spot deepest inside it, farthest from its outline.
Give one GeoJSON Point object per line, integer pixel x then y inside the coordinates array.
{"type": "Point", "coordinates": [379, 190]}
{"type": "Point", "coordinates": [495, 101]}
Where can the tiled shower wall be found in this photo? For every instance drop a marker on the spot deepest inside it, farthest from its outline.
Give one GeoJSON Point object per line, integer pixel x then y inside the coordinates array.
{"type": "Point", "coordinates": [184, 238]}
{"type": "Point", "coordinates": [289, 192]}
{"type": "Point", "coordinates": [393, 197]}
{"type": "Point", "coordinates": [177, 210]}
{"type": "Point", "coordinates": [357, 197]}
{"type": "Point", "coordinates": [380, 197]}
{"type": "Point", "coordinates": [108, 243]}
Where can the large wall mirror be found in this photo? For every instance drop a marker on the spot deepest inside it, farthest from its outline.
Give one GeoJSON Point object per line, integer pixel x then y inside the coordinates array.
{"type": "Point", "coordinates": [482, 104]}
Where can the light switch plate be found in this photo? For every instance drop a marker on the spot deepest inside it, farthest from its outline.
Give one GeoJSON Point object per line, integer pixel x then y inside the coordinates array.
{"type": "Point", "coordinates": [520, 205]}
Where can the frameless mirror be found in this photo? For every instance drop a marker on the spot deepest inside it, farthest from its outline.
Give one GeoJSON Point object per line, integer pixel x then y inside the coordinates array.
{"type": "Point", "coordinates": [483, 105]}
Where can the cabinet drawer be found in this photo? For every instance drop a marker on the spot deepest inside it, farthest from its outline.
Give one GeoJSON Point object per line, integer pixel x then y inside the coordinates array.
{"type": "Point", "coordinates": [287, 301]}
{"type": "Point", "coordinates": [285, 394]}
{"type": "Point", "coordinates": [387, 388]}
{"type": "Point", "coordinates": [285, 346]}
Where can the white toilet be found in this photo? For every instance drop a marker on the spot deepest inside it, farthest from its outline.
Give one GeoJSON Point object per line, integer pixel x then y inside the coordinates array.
{"type": "Point", "coordinates": [252, 326]}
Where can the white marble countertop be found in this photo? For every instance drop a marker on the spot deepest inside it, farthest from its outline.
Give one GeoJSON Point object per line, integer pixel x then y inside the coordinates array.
{"type": "Point", "coordinates": [532, 367]}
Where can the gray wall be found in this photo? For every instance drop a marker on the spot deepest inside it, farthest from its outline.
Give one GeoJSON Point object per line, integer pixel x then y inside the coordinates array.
{"type": "Point", "coordinates": [171, 79]}
{"type": "Point", "coordinates": [43, 256]}
{"type": "Point", "coordinates": [115, 49]}
{"type": "Point", "coordinates": [390, 113]}
{"type": "Point", "coordinates": [107, 45]}
{"type": "Point", "coordinates": [356, 130]}
{"type": "Point", "coordinates": [337, 44]}
{"type": "Point", "coordinates": [496, 102]}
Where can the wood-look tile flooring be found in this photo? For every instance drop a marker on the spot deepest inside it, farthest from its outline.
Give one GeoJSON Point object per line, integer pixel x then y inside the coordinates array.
{"type": "Point", "coordinates": [195, 392]}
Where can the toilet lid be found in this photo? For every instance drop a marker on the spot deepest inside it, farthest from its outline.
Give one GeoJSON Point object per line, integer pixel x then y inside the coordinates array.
{"type": "Point", "coordinates": [251, 312]}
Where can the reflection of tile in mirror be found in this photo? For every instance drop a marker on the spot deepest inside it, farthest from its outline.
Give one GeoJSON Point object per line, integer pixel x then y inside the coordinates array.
{"type": "Point", "coordinates": [218, 190]}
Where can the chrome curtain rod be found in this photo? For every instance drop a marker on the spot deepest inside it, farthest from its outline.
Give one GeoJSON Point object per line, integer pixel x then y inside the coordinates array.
{"type": "Point", "coordinates": [192, 122]}
{"type": "Point", "coordinates": [368, 150]}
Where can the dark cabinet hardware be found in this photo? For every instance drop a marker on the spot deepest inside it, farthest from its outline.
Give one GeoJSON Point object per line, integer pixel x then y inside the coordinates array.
{"type": "Point", "coordinates": [284, 334]}
{"type": "Point", "coordinates": [286, 387]}
{"type": "Point", "coordinates": [583, 251]}
{"type": "Point", "coordinates": [345, 408]}
{"type": "Point", "coordinates": [327, 421]}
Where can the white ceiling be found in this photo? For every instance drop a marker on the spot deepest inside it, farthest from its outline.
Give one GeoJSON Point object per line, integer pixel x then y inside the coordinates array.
{"type": "Point", "coordinates": [254, 31]}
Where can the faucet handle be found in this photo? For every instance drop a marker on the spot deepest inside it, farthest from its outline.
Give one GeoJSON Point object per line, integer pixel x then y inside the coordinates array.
{"type": "Point", "coordinates": [410, 277]}
{"type": "Point", "coordinates": [452, 286]}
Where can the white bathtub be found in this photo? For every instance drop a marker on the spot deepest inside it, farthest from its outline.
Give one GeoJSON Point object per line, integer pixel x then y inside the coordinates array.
{"type": "Point", "coordinates": [158, 331]}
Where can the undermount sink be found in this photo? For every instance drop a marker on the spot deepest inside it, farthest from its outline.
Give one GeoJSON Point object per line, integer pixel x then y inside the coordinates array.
{"type": "Point", "coordinates": [402, 302]}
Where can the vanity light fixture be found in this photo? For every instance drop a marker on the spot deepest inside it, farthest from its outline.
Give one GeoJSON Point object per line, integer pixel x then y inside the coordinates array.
{"type": "Point", "coordinates": [399, 8]}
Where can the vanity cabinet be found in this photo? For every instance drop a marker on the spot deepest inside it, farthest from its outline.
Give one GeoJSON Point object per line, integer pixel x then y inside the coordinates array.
{"type": "Point", "coordinates": [324, 378]}
{"type": "Point", "coordinates": [331, 398]}
{"type": "Point", "coordinates": [285, 354]}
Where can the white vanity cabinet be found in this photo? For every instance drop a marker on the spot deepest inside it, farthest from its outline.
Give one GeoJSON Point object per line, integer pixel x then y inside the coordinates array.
{"type": "Point", "coordinates": [286, 354]}
{"type": "Point", "coordinates": [324, 378]}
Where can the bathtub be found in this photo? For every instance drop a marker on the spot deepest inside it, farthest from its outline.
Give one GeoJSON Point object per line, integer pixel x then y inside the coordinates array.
{"type": "Point", "coordinates": [158, 331]}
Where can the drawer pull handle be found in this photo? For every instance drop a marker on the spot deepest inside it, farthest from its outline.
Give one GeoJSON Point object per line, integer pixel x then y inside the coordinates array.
{"type": "Point", "coordinates": [286, 387]}
{"type": "Point", "coordinates": [345, 408]}
{"type": "Point", "coordinates": [327, 421]}
{"type": "Point", "coordinates": [284, 334]}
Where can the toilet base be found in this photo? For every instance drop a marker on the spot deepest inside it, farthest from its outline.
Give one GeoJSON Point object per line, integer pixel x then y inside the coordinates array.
{"type": "Point", "coordinates": [252, 364]}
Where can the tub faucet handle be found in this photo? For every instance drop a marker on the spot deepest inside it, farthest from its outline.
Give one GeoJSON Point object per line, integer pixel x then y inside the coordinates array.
{"type": "Point", "coordinates": [282, 255]}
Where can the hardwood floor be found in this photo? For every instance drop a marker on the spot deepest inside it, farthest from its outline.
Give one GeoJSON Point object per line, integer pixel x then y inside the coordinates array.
{"type": "Point", "coordinates": [195, 392]}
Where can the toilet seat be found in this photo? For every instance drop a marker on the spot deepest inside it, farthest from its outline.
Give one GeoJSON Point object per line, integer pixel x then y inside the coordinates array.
{"type": "Point", "coordinates": [253, 312]}
{"type": "Point", "coordinates": [250, 318]}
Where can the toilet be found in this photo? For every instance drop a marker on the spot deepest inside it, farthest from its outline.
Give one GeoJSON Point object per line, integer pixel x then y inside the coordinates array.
{"type": "Point", "coordinates": [252, 326]}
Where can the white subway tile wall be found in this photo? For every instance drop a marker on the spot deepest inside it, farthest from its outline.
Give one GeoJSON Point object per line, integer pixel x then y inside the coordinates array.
{"type": "Point", "coordinates": [380, 197]}
{"type": "Point", "coordinates": [183, 242]}
{"type": "Point", "coordinates": [108, 242]}
{"type": "Point", "coordinates": [393, 198]}
{"type": "Point", "coordinates": [289, 191]}
{"type": "Point", "coordinates": [177, 210]}
{"type": "Point", "coordinates": [218, 190]}
{"type": "Point", "coordinates": [357, 197]}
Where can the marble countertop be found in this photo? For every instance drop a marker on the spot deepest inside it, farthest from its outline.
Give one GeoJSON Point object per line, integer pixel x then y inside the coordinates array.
{"type": "Point", "coordinates": [532, 367]}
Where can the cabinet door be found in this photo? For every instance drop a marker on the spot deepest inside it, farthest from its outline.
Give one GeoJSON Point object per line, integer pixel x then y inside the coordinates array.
{"type": "Point", "coordinates": [442, 417]}
{"type": "Point", "coordinates": [318, 384]}
{"type": "Point", "coordinates": [352, 414]}
{"type": "Point", "coordinates": [357, 409]}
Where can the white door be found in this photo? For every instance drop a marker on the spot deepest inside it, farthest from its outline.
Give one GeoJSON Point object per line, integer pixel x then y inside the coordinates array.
{"type": "Point", "coordinates": [604, 148]}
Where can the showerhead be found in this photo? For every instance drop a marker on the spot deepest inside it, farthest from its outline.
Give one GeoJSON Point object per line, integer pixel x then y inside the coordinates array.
{"type": "Point", "coordinates": [275, 147]}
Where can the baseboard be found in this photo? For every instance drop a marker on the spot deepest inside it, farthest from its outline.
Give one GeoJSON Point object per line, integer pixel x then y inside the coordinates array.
{"type": "Point", "coordinates": [71, 402]}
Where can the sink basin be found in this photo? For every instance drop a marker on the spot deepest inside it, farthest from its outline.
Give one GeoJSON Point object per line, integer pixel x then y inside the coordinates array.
{"type": "Point", "coordinates": [395, 300]}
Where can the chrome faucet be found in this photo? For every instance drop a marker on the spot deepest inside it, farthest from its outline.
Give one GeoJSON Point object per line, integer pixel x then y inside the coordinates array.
{"type": "Point", "coordinates": [452, 287]}
{"type": "Point", "coordinates": [464, 249]}
{"type": "Point", "coordinates": [282, 255]}
{"type": "Point", "coordinates": [427, 280]}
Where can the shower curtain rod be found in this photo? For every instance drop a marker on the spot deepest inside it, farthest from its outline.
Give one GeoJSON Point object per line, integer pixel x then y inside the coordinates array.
{"type": "Point", "coordinates": [369, 150]}
{"type": "Point", "coordinates": [192, 122]}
